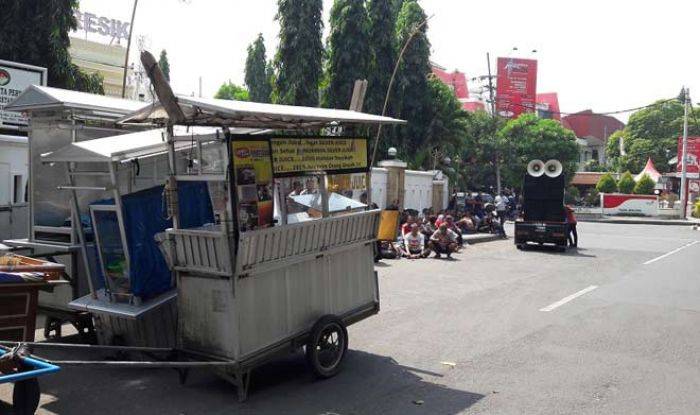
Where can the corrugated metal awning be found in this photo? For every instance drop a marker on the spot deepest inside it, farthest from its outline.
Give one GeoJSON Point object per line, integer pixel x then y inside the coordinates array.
{"type": "Point", "coordinates": [124, 147]}
{"type": "Point", "coordinates": [226, 113]}
{"type": "Point", "coordinates": [37, 97]}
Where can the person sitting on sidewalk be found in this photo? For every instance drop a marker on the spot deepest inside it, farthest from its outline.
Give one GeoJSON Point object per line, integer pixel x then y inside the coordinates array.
{"type": "Point", "coordinates": [466, 224]}
{"type": "Point", "coordinates": [451, 225]}
{"type": "Point", "coordinates": [443, 241]}
{"type": "Point", "coordinates": [406, 227]}
{"type": "Point", "coordinates": [414, 244]}
{"type": "Point", "coordinates": [571, 226]}
{"type": "Point", "coordinates": [428, 227]}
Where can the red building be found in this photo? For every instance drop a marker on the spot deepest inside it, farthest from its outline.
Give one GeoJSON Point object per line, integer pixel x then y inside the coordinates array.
{"type": "Point", "coordinates": [457, 81]}
{"type": "Point", "coordinates": [592, 132]}
{"type": "Point", "coordinates": [548, 106]}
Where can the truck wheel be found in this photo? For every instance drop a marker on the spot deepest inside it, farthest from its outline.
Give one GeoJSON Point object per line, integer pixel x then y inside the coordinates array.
{"type": "Point", "coordinates": [520, 246]}
{"type": "Point", "coordinates": [25, 397]}
{"type": "Point", "coordinates": [327, 346]}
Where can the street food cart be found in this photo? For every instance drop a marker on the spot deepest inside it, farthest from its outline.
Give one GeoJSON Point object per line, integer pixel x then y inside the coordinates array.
{"type": "Point", "coordinates": [259, 283]}
{"type": "Point", "coordinates": [274, 272]}
{"type": "Point", "coordinates": [58, 117]}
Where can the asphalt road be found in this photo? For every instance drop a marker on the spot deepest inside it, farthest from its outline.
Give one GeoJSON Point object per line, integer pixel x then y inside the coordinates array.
{"type": "Point", "coordinates": [609, 328]}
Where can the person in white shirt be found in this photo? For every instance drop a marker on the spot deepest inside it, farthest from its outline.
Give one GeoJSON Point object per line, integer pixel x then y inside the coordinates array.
{"type": "Point", "coordinates": [501, 206]}
{"type": "Point", "coordinates": [414, 244]}
{"type": "Point", "coordinates": [444, 241]}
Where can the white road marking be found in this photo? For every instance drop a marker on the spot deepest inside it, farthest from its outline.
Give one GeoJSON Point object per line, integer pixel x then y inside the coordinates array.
{"type": "Point", "coordinates": [671, 253]}
{"type": "Point", "coordinates": [569, 298]}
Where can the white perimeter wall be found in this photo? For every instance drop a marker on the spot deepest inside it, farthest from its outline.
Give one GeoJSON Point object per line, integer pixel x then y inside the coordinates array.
{"type": "Point", "coordinates": [14, 160]}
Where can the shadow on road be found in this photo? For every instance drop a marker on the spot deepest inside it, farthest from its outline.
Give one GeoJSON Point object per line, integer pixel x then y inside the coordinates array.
{"type": "Point", "coordinates": [368, 384]}
{"type": "Point", "coordinates": [553, 250]}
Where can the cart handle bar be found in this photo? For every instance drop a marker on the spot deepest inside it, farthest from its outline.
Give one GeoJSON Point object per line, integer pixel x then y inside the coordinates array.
{"type": "Point", "coordinates": [90, 346]}
{"type": "Point", "coordinates": [142, 364]}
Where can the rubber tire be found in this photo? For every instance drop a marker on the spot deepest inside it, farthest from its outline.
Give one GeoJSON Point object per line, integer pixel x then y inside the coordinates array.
{"type": "Point", "coordinates": [311, 357]}
{"type": "Point", "coordinates": [25, 397]}
{"type": "Point", "coordinates": [520, 246]}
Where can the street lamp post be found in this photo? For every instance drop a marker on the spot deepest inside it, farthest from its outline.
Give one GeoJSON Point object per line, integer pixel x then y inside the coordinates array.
{"type": "Point", "coordinates": [684, 160]}
{"type": "Point", "coordinates": [128, 48]}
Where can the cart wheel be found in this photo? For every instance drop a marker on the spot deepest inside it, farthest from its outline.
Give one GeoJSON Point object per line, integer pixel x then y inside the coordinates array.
{"type": "Point", "coordinates": [25, 397]}
{"type": "Point", "coordinates": [327, 346]}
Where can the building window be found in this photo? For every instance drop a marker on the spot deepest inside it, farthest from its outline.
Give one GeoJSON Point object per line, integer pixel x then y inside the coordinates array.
{"type": "Point", "coordinates": [17, 188]}
{"type": "Point", "coordinates": [595, 155]}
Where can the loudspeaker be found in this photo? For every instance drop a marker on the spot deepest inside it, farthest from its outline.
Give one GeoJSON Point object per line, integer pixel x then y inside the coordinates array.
{"type": "Point", "coordinates": [544, 187]}
{"type": "Point", "coordinates": [535, 168]}
{"type": "Point", "coordinates": [553, 168]}
{"type": "Point", "coordinates": [543, 198]}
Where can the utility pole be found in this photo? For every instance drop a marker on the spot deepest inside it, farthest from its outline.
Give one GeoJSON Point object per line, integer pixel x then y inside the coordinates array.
{"type": "Point", "coordinates": [684, 161]}
{"type": "Point", "coordinates": [128, 48]}
{"type": "Point", "coordinates": [497, 163]}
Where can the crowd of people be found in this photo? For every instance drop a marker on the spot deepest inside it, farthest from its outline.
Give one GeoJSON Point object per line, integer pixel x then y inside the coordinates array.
{"type": "Point", "coordinates": [426, 233]}
{"type": "Point", "coordinates": [442, 233]}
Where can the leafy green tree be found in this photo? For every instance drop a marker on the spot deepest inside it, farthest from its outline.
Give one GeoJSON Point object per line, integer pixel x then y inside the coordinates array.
{"type": "Point", "coordinates": [529, 137]}
{"type": "Point", "coordinates": [480, 147]}
{"type": "Point", "coordinates": [651, 132]}
{"type": "Point", "coordinates": [382, 40]}
{"type": "Point", "coordinates": [606, 184]}
{"type": "Point", "coordinates": [35, 32]}
{"type": "Point", "coordinates": [231, 91]}
{"type": "Point", "coordinates": [348, 51]}
{"type": "Point", "coordinates": [257, 78]}
{"type": "Point", "coordinates": [626, 183]}
{"type": "Point", "coordinates": [645, 185]}
{"type": "Point", "coordinates": [164, 64]}
{"type": "Point", "coordinates": [300, 52]}
{"type": "Point", "coordinates": [412, 78]}
{"type": "Point", "coordinates": [448, 122]}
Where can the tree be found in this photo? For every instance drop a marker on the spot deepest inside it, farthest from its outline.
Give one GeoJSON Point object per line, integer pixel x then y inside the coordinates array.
{"type": "Point", "coordinates": [626, 183]}
{"type": "Point", "coordinates": [645, 185]}
{"type": "Point", "coordinates": [606, 184]}
{"type": "Point", "coordinates": [448, 122]}
{"type": "Point", "coordinates": [348, 51]}
{"type": "Point", "coordinates": [231, 91]}
{"type": "Point", "coordinates": [412, 78]}
{"type": "Point", "coordinates": [36, 32]}
{"type": "Point", "coordinates": [529, 137]}
{"type": "Point", "coordinates": [382, 41]}
{"type": "Point", "coordinates": [651, 132]}
{"type": "Point", "coordinates": [164, 64]}
{"type": "Point", "coordinates": [256, 71]}
{"type": "Point", "coordinates": [300, 52]}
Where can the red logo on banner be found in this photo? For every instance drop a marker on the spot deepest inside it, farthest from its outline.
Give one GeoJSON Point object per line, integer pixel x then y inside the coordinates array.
{"type": "Point", "coordinates": [693, 155]}
{"type": "Point", "coordinates": [516, 88]}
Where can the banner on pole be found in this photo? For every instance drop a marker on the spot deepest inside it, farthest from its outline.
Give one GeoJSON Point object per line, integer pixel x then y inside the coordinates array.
{"type": "Point", "coordinates": [516, 87]}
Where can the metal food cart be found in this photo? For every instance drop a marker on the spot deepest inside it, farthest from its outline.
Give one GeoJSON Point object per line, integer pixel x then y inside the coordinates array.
{"type": "Point", "coordinates": [132, 293]}
{"type": "Point", "coordinates": [247, 293]}
{"type": "Point", "coordinates": [58, 117]}
{"type": "Point", "coordinates": [257, 284]}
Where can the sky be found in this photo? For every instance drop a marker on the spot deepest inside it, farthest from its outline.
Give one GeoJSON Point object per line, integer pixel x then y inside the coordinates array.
{"type": "Point", "coordinates": [600, 55]}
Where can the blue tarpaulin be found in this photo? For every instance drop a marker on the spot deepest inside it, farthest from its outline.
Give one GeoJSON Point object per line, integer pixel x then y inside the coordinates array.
{"type": "Point", "coordinates": [144, 217]}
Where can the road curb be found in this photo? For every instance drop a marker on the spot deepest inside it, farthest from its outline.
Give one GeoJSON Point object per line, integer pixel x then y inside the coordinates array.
{"type": "Point", "coordinates": [477, 239]}
{"type": "Point", "coordinates": [660, 222]}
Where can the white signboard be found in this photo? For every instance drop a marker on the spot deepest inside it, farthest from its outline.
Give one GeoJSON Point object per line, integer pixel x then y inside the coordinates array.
{"type": "Point", "coordinates": [624, 204]}
{"type": "Point", "coordinates": [14, 78]}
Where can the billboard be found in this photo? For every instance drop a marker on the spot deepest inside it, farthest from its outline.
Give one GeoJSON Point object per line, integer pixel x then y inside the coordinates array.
{"type": "Point", "coordinates": [693, 155]}
{"type": "Point", "coordinates": [296, 156]}
{"type": "Point", "coordinates": [14, 78]}
{"type": "Point", "coordinates": [516, 89]}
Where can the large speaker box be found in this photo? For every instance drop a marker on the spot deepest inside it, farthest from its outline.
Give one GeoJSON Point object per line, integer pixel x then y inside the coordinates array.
{"type": "Point", "coordinates": [543, 198]}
